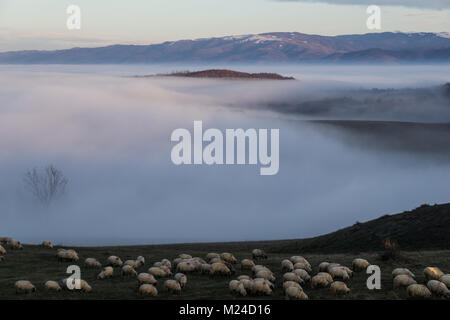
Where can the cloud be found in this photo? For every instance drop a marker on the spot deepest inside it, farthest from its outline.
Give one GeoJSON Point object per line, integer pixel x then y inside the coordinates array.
{"type": "Point", "coordinates": [429, 4]}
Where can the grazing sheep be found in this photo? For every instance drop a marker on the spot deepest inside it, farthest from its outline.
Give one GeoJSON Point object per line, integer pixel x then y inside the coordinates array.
{"type": "Point", "coordinates": [85, 287]}
{"type": "Point", "coordinates": [303, 274]}
{"type": "Point", "coordinates": [141, 260]}
{"type": "Point", "coordinates": [228, 257]}
{"type": "Point", "coordinates": [445, 279]}
{"type": "Point", "coordinates": [128, 270]}
{"type": "Point", "coordinates": [181, 278]}
{"type": "Point", "coordinates": [297, 259]}
{"type": "Point", "coordinates": [244, 277]}
{"type": "Point", "coordinates": [291, 276]}
{"type": "Point", "coordinates": [237, 287]}
{"type": "Point", "coordinates": [270, 284]}
{"type": "Point", "coordinates": [261, 287]}
{"type": "Point", "coordinates": [186, 267]}
{"type": "Point", "coordinates": [205, 268]}
{"type": "Point", "coordinates": [404, 271]}
{"type": "Point", "coordinates": [148, 290]}
{"type": "Point", "coordinates": [432, 273]}
{"type": "Point", "coordinates": [5, 240]}
{"type": "Point", "coordinates": [403, 280]}
{"type": "Point", "coordinates": [265, 274]}
{"type": "Point", "coordinates": [52, 286]}
{"type": "Point", "coordinates": [258, 268]}
{"type": "Point", "coordinates": [157, 272]}
{"type": "Point", "coordinates": [319, 281]}
{"type": "Point", "coordinates": [92, 263]}
{"type": "Point", "coordinates": [339, 273]}
{"type": "Point", "coordinates": [172, 286]}
{"type": "Point", "coordinates": [418, 291]}
{"type": "Point", "coordinates": [339, 288]}
{"type": "Point", "coordinates": [247, 264]}
{"type": "Point", "coordinates": [2, 250]}
{"type": "Point", "coordinates": [331, 266]}
{"type": "Point", "coordinates": [247, 283]}
{"type": "Point", "coordinates": [114, 261]}
{"type": "Point", "coordinates": [287, 265]}
{"type": "Point", "coordinates": [219, 269]}
{"type": "Point", "coordinates": [157, 264]}
{"type": "Point", "coordinates": [107, 272]}
{"type": "Point", "coordinates": [24, 286]}
{"type": "Point", "coordinates": [288, 284]}
{"type": "Point", "coordinates": [132, 263]}
{"type": "Point", "coordinates": [184, 256]}
{"type": "Point", "coordinates": [212, 255]}
{"type": "Point", "coordinates": [47, 244]}
{"type": "Point", "coordinates": [294, 293]}
{"type": "Point", "coordinates": [304, 266]}
{"type": "Point", "coordinates": [359, 264]}
{"type": "Point", "coordinates": [67, 255]}
{"type": "Point", "coordinates": [198, 260]}
{"type": "Point", "coordinates": [175, 262]}
{"type": "Point", "coordinates": [326, 275]}
{"type": "Point", "coordinates": [438, 288]}
{"type": "Point", "coordinates": [166, 263]}
{"type": "Point", "coordinates": [167, 271]}
{"type": "Point", "coordinates": [258, 254]}
{"type": "Point", "coordinates": [216, 260]}
{"type": "Point", "coordinates": [146, 278]}
{"type": "Point", "coordinates": [15, 245]}
{"type": "Point", "coordinates": [323, 266]}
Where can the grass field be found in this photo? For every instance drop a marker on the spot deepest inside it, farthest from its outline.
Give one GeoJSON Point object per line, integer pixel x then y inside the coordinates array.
{"type": "Point", "coordinates": [39, 264]}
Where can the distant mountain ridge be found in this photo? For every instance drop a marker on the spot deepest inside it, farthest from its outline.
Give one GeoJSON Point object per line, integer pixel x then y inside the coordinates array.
{"type": "Point", "coordinates": [277, 47]}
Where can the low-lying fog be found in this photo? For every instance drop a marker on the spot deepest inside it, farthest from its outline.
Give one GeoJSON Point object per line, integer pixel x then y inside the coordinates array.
{"type": "Point", "coordinates": [110, 135]}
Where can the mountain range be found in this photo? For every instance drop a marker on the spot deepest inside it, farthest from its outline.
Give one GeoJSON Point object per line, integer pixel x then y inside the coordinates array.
{"type": "Point", "coordinates": [278, 47]}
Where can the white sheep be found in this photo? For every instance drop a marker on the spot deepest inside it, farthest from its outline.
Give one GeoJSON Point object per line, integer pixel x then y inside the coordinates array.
{"type": "Point", "coordinates": [167, 271]}
{"type": "Point", "coordinates": [291, 276]}
{"type": "Point", "coordinates": [432, 273]}
{"type": "Point", "coordinates": [247, 283]}
{"type": "Point", "coordinates": [339, 273]}
{"type": "Point", "coordinates": [288, 284]}
{"type": "Point", "coordinates": [146, 278]}
{"type": "Point", "coordinates": [445, 279]}
{"type": "Point", "coordinates": [141, 260]}
{"type": "Point", "coordinates": [303, 274]}
{"type": "Point", "coordinates": [303, 265]}
{"type": "Point", "coordinates": [319, 281]}
{"type": "Point", "coordinates": [237, 287]}
{"type": "Point", "coordinates": [247, 264]}
{"type": "Point", "coordinates": [228, 257]}
{"type": "Point", "coordinates": [2, 250]}
{"type": "Point", "coordinates": [172, 286]}
{"type": "Point", "coordinates": [212, 255]}
{"type": "Point", "coordinates": [47, 244]}
{"type": "Point", "coordinates": [219, 269]}
{"type": "Point", "coordinates": [167, 263]}
{"type": "Point", "coordinates": [52, 286]}
{"type": "Point", "coordinates": [132, 263]}
{"type": "Point", "coordinates": [128, 270]}
{"type": "Point", "coordinates": [107, 272]}
{"type": "Point", "coordinates": [244, 277]}
{"type": "Point", "coordinates": [24, 286]}
{"type": "Point", "coordinates": [114, 261]}
{"type": "Point", "coordinates": [359, 264]}
{"type": "Point", "coordinates": [287, 265]}
{"type": "Point", "coordinates": [403, 280]}
{"type": "Point", "coordinates": [5, 240]}
{"type": "Point", "coordinates": [270, 284]}
{"type": "Point", "coordinates": [294, 293]}
{"type": "Point", "coordinates": [15, 245]}
{"type": "Point", "coordinates": [148, 290]}
{"type": "Point", "coordinates": [157, 272]}
{"type": "Point", "coordinates": [326, 275]}
{"type": "Point", "coordinates": [181, 278]}
{"type": "Point", "coordinates": [205, 268]}
{"type": "Point", "coordinates": [185, 256]}
{"type": "Point", "coordinates": [339, 288]}
{"type": "Point", "coordinates": [92, 263]}
{"type": "Point", "coordinates": [438, 288]}
{"type": "Point", "coordinates": [323, 266]}
{"type": "Point", "coordinates": [258, 268]}
{"type": "Point", "coordinates": [260, 287]}
{"type": "Point", "coordinates": [258, 254]}
{"type": "Point", "coordinates": [265, 274]}
{"type": "Point", "coordinates": [67, 255]}
{"type": "Point", "coordinates": [297, 259]}
{"type": "Point", "coordinates": [404, 271]}
{"type": "Point", "coordinates": [418, 291]}
{"type": "Point", "coordinates": [186, 267]}
{"type": "Point", "coordinates": [216, 260]}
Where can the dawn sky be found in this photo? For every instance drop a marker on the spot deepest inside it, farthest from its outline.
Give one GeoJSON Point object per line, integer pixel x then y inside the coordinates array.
{"type": "Point", "coordinates": [41, 24]}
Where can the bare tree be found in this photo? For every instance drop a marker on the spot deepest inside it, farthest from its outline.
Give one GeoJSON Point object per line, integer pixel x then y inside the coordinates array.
{"type": "Point", "coordinates": [47, 185]}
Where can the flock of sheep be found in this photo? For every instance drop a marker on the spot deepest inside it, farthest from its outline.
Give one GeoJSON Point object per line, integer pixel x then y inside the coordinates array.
{"type": "Point", "coordinates": [297, 274]}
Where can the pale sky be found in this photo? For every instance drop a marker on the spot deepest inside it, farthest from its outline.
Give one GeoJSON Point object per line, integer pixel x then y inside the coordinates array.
{"type": "Point", "coordinates": [41, 24]}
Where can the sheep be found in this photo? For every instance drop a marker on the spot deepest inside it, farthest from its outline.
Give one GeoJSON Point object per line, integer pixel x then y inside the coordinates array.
{"type": "Point", "coordinates": [85, 287]}
{"type": "Point", "coordinates": [265, 274]}
{"type": "Point", "coordinates": [128, 270]}
{"type": "Point", "coordinates": [52, 286]}
{"type": "Point", "coordinates": [303, 274]}
{"type": "Point", "coordinates": [67, 255]}
{"type": "Point", "coordinates": [237, 287]}
{"type": "Point", "coordinates": [339, 273]}
{"type": "Point", "coordinates": [172, 286]}
{"type": "Point", "coordinates": [403, 280]}
{"type": "Point", "coordinates": [148, 290]}
{"type": "Point", "coordinates": [258, 268]}
{"type": "Point", "coordinates": [181, 278]}
{"type": "Point", "coordinates": [167, 271]}
{"type": "Point", "coordinates": [304, 266]}
{"type": "Point", "coordinates": [141, 260]}
{"type": "Point", "coordinates": [291, 276]}
{"type": "Point", "coordinates": [288, 284]}
{"type": "Point", "coordinates": [175, 262]}
{"type": "Point", "coordinates": [186, 267]}
{"type": "Point", "coordinates": [319, 281]}
{"type": "Point", "coordinates": [107, 272]}
{"type": "Point", "coordinates": [432, 273]}
{"type": "Point", "coordinates": [166, 263]}
{"type": "Point", "coordinates": [131, 263]}
{"type": "Point", "coordinates": [216, 260]}
{"type": "Point", "coordinates": [339, 288]}
{"type": "Point", "coordinates": [331, 266]}
{"type": "Point", "coordinates": [446, 280]}
{"type": "Point", "coordinates": [205, 268]}
{"type": "Point", "coordinates": [326, 275]}
{"type": "Point", "coordinates": [5, 240]}
{"type": "Point", "coordinates": [258, 254]}
{"type": "Point", "coordinates": [323, 266]}
{"type": "Point", "coordinates": [146, 278]}
{"type": "Point", "coordinates": [438, 288]}
{"type": "Point", "coordinates": [244, 277]}
{"type": "Point", "coordinates": [15, 245]}
{"type": "Point", "coordinates": [114, 261]}
{"type": "Point", "coordinates": [92, 263]}
{"type": "Point", "coordinates": [294, 293]}
{"type": "Point", "coordinates": [199, 260]}
{"type": "Point", "coordinates": [247, 283]}
{"type": "Point", "coordinates": [157, 264]}
{"type": "Point", "coordinates": [184, 256]}
{"type": "Point", "coordinates": [47, 244]}
{"type": "Point", "coordinates": [296, 259]}
{"type": "Point", "coordinates": [287, 265]}
{"type": "Point", "coordinates": [228, 257]}
{"type": "Point", "coordinates": [418, 291]}
{"type": "Point", "coordinates": [157, 272]}
{"type": "Point", "coordinates": [247, 264]}
{"type": "Point", "coordinates": [270, 284]}
{"type": "Point", "coordinates": [359, 264]}
{"type": "Point", "coordinates": [404, 271]}
{"type": "Point", "coordinates": [260, 286]}
{"type": "Point", "coordinates": [2, 250]}
{"type": "Point", "coordinates": [212, 255]}
{"type": "Point", "coordinates": [219, 269]}
{"type": "Point", "coordinates": [24, 286]}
